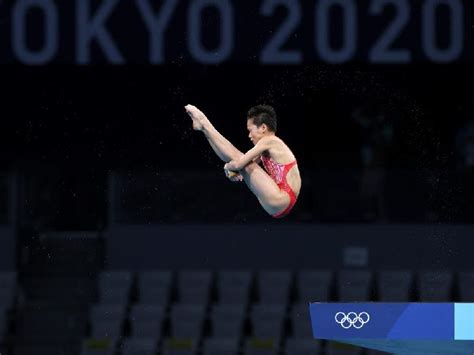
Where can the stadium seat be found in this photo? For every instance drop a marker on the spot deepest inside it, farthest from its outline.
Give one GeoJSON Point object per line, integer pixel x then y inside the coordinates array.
{"type": "Point", "coordinates": [257, 346]}
{"type": "Point", "coordinates": [301, 322]}
{"type": "Point", "coordinates": [114, 286]}
{"type": "Point", "coordinates": [394, 286]}
{"type": "Point", "coordinates": [147, 321]}
{"type": "Point", "coordinates": [298, 346]}
{"type": "Point", "coordinates": [221, 346]}
{"type": "Point", "coordinates": [106, 320]}
{"type": "Point", "coordinates": [177, 346]}
{"type": "Point", "coordinates": [233, 287]}
{"type": "Point", "coordinates": [274, 286]}
{"type": "Point", "coordinates": [435, 286]}
{"type": "Point", "coordinates": [139, 346]}
{"type": "Point", "coordinates": [227, 320]}
{"type": "Point", "coordinates": [267, 320]}
{"type": "Point", "coordinates": [154, 287]}
{"type": "Point", "coordinates": [155, 278]}
{"type": "Point", "coordinates": [98, 346]}
{"type": "Point", "coordinates": [187, 320]}
{"type": "Point", "coordinates": [466, 286]}
{"type": "Point", "coordinates": [194, 287]}
{"type": "Point", "coordinates": [354, 285]}
{"type": "Point", "coordinates": [314, 285]}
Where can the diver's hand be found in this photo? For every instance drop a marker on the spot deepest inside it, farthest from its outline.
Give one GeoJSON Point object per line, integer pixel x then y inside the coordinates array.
{"type": "Point", "coordinates": [233, 176]}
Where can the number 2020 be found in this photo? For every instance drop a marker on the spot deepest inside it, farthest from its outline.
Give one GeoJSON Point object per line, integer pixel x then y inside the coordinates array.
{"type": "Point", "coordinates": [381, 51]}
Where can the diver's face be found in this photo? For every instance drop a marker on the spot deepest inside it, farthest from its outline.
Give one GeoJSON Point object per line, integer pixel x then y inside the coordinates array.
{"type": "Point", "coordinates": [255, 133]}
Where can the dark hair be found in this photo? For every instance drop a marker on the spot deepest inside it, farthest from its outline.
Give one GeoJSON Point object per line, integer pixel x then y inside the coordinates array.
{"type": "Point", "coordinates": [263, 114]}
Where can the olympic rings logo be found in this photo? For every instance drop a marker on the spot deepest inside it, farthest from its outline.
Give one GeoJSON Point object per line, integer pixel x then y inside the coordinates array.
{"type": "Point", "coordinates": [352, 319]}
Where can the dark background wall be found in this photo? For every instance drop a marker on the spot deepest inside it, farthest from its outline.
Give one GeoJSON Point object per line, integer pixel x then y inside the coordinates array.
{"type": "Point", "coordinates": [120, 117]}
{"type": "Point", "coordinates": [66, 128]}
{"type": "Point", "coordinates": [68, 124]}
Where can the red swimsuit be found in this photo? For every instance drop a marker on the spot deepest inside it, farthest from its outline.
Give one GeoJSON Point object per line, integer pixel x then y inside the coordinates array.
{"type": "Point", "coordinates": [278, 173]}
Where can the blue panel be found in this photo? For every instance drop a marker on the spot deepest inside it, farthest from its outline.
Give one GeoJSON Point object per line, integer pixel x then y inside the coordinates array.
{"type": "Point", "coordinates": [383, 320]}
{"type": "Point", "coordinates": [399, 328]}
{"type": "Point", "coordinates": [464, 321]}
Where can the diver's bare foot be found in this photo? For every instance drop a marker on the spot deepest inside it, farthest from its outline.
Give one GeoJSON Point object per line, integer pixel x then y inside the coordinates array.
{"type": "Point", "coordinates": [199, 119]}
